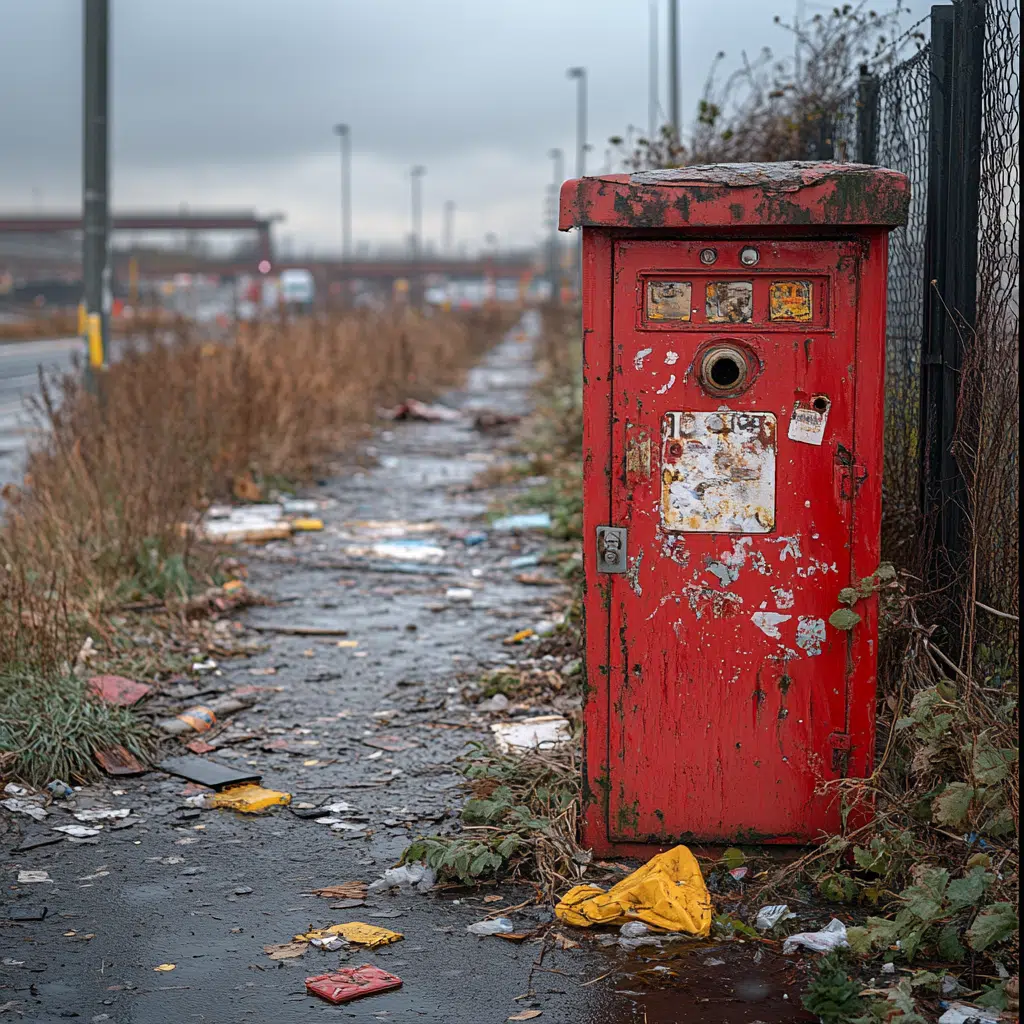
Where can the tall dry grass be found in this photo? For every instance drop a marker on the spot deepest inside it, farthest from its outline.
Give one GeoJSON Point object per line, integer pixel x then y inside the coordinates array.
{"type": "Point", "coordinates": [178, 422]}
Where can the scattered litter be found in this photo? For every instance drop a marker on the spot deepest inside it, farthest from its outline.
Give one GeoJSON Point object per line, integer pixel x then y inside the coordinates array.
{"type": "Point", "coordinates": [77, 831]}
{"type": "Point", "coordinates": [345, 891]}
{"type": "Point", "coordinates": [348, 644]}
{"type": "Point", "coordinates": [499, 702]}
{"type": "Point", "coordinates": [357, 932]}
{"type": "Point", "coordinates": [203, 717]}
{"type": "Point", "coordinates": [523, 521]}
{"type": "Point", "coordinates": [739, 873]}
{"type": "Point", "coordinates": [118, 689]}
{"type": "Point", "coordinates": [286, 950]}
{"type": "Point", "coordinates": [472, 539]}
{"type": "Point", "coordinates": [205, 772]}
{"type": "Point", "coordinates": [769, 917]}
{"type": "Point", "coordinates": [411, 409]}
{"type": "Point", "coordinates": [498, 926]}
{"type": "Point", "coordinates": [417, 876]}
{"type": "Point", "coordinates": [542, 733]}
{"type": "Point", "coordinates": [13, 789]}
{"type": "Point", "coordinates": [26, 913]}
{"type": "Point", "coordinates": [40, 839]}
{"type": "Point", "coordinates": [525, 1015]}
{"type": "Point", "coordinates": [668, 893]}
{"type": "Point", "coordinates": [352, 983]}
{"type": "Point", "coordinates": [714, 961]}
{"type": "Point", "coordinates": [518, 638]}
{"type": "Point", "coordinates": [59, 790]}
{"type": "Point", "coordinates": [634, 929]}
{"type": "Point", "coordinates": [207, 665]}
{"type": "Point", "coordinates": [249, 799]}
{"type": "Point", "coordinates": [120, 761]}
{"type": "Point", "coordinates": [200, 747]}
{"type": "Point", "coordinates": [832, 936]}
{"type": "Point", "coordinates": [299, 506]}
{"type": "Point", "coordinates": [400, 549]}
{"type": "Point", "coordinates": [248, 523]}
{"type": "Point", "coordinates": [459, 595]}
{"type": "Point", "coordinates": [960, 1013]}
{"type": "Point", "coordinates": [165, 967]}
{"type": "Point", "coordinates": [330, 942]}
{"type": "Point", "coordinates": [24, 807]}
{"type": "Point", "coordinates": [102, 813]}
{"type": "Point", "coordinates": [523, 561]}
{"type": "Point", "coordinates": [307, 525]}
{"type": "Point", "coordinates": [27, 877]}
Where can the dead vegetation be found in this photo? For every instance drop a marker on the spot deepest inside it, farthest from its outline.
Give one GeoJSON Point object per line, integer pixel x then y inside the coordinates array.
{"type": "Point", "coordinates": [116, 476]}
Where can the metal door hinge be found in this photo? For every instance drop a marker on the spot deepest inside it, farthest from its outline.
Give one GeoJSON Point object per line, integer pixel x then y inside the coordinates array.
{"type": "Point", "coordinates": [611, 549]}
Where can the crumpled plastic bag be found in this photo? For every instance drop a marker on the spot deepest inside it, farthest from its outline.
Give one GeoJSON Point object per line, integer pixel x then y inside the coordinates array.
{"type": "Point", "coordinates": [668, 893]}
{"type": "Point", "coordinates": [832, 936]}
{"type": "Point", "coordinates": [368, 935]}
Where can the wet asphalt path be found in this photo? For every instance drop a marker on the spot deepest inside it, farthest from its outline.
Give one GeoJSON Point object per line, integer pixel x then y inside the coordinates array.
{"type": "Point", "coordinates": [207, 890]}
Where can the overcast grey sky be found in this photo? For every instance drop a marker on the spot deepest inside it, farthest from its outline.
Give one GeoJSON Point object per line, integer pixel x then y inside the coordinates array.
{"type": "Point", "coordinates": [230, 103]}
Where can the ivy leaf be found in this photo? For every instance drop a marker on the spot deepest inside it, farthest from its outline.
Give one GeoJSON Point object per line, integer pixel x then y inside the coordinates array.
{"type": "Point", "coordinates": [860, 940]}
{"type": "Point", "coordinates": [992, 764]}
{"type": "Point", "coordinates": [998, 921]}
{"type": "Point", "coordinates": [950, 807]}
{"type": "Point", "coordinates": [844, 618]}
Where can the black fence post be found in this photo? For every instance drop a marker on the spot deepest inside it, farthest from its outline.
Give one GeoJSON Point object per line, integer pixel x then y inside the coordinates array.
{"type": "Point", "coordinates": [867, 117]}
{"type": "Point", "coordinates": [951, 276]}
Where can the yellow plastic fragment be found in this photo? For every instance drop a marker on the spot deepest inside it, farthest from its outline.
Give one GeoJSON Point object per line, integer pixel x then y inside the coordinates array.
{"type": "Point", "coordinates": [354, 931]}
{"type": "Point", "coordinates": [668, 892]}
{"type": "Point", "coordinates": [249, 798]}
{"type": "Point", "coordinates": [232, 585]}
{"type": "Point", "coordinates": [307, 524]}
{"type": "Point", "coordinates": [518, 638]}
{"type": "Point", "coordinates": [165, 967]}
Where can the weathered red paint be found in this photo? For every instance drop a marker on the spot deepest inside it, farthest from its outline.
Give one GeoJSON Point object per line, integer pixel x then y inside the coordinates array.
{"type": "Point", "coordinates": [721, 702]}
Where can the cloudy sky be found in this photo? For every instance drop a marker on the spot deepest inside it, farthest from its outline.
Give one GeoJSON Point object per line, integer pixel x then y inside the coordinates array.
{"type": "Point", "coordinates": [230, 103]}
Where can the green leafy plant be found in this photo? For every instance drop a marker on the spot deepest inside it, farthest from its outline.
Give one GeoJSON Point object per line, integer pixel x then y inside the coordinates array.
{"type": "Point", "coordinates": [832, 995]}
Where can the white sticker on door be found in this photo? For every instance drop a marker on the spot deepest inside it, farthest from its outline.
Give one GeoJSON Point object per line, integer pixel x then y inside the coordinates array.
{"type": "Point", "coordinates": [718, 472]}
{"type": "Point", "coordinates": [807, 424]}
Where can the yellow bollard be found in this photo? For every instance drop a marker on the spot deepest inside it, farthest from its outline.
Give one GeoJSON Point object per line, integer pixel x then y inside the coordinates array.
{"type": "Point", "coordinates": [94, 336]}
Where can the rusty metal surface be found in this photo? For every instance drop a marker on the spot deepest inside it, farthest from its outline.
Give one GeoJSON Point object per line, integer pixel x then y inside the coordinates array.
{"type": "Point", "coordinates": [729, 302]}
{"type": "Point", "coordinates": [789, 195]}
{"type": "Point", "coordinates": [719, 691]}
{"type": "Point", "coordinates": [668, 300]}
{"type": "Point", "coordinates": [788, 175]}
{"type": "Point", "coordinates": [718, 472]}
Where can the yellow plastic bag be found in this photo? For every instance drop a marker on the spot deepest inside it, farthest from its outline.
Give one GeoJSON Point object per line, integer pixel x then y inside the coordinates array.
{"type": "Point", "coordinates": [249, 798]}
{"type": "Point", "coordinates": [668, 892]}
{"type": "Point", "coordinates": [354, 931]}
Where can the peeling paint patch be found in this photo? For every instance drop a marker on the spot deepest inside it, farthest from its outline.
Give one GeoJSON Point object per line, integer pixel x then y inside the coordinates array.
{"type": "Point", "coordinates": [665, 387]}
{"type": "Point", "coordinates": [768, 623]}
{"type": "Point", "coordinates": [790, 547]}
{"type": "Point", "coordinates": [783, 598]}
{"type": "Point", "coordinates": [633, 573]}
{"type": "Point", "coordinates": [638, 359]}
{"type": "Point", "coordinates": [724, 573]}
{"type": "Point", "coordinates": [810, 634]}
{"type": "Point", "coordinates": [671, 358]}
{"type": "Point", "coordinates": [700, 598]}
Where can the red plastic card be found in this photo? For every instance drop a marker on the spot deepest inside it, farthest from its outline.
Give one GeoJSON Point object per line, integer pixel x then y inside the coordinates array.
{"type": "Point", "coordinates": [351, 983]}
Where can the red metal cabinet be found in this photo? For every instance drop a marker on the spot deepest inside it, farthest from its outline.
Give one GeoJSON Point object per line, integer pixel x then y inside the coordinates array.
{"type": "Point", "coordinates": [734, 336]}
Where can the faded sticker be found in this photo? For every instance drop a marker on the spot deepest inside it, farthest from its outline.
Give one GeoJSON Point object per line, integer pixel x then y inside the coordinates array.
{"type": "Point", "coordinates": [729, 302]}
{"type": "Point", "coordinates": [718, 472]}
{"type": "Point", "coordinates": [768, 623]}
{"type": "Point", "coordinates": [807, 424]}
{"type": "Point", "coordinates": [790, 300]}
{"type": "Point", "coordinates": [668, 300]}
{"type": "Point", "coordinates": [810, 634]}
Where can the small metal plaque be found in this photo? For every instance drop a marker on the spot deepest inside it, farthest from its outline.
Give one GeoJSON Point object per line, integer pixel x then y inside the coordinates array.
{"type": "Point", "coordinates": [718, 472]}
{"type": "Point", "coordinates": [668, 300]}
{"type": "Point", "coordinates": [791, 300]}
{"type": "Point", "coordinates": [729, 302]}
{"type": "Point", "coordinates": [611, 549]}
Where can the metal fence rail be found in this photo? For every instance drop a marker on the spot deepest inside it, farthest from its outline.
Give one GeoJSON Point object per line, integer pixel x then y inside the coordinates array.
{"type": "Point", "coordinates": [948, 118]}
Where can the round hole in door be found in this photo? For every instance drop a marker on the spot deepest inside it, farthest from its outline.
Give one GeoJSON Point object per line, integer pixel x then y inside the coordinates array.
{"type": "Point", "coordinates": [724, 370]}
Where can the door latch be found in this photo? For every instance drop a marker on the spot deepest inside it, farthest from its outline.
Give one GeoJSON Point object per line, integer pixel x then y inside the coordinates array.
{"type": "Point", "coordinates": [611, 549]}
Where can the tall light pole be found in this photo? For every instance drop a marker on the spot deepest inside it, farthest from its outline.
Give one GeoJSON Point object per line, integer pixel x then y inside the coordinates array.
{"type": "Point", "coordinates": [554, 264]}
{"type": "Point", "coordinates": [96, 183]}
{"type": "Point", "coordinates": [448, 234]}
{"type": "Point", "coordinates": [344, 133]}
{"type": "Point", "coordinates": [652, 76]}
{"type": "Point", "coordinates": [416, 180]}
{"type": "Point", "coordinates": [580, 75]}
{"type": "Point", "coordinates": [675, 114]}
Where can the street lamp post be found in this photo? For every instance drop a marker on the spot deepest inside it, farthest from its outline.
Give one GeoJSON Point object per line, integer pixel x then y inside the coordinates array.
{"type": "Point", "coordinates": [416, 180]}
{"type": "Point", "coordinates": [448, 239]}
{"type": "Point", "coordinates": [554, 268]}
{"type": "Point", "coordinates": [675, 112]}
{"type": "Point", "coordinates": [344, 133]}
{"type": "Point", "coordinates": [580, 75]}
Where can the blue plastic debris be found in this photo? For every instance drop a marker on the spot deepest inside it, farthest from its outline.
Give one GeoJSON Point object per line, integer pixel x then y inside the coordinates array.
{"type": "Point", "coordinates": [523, 521]}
